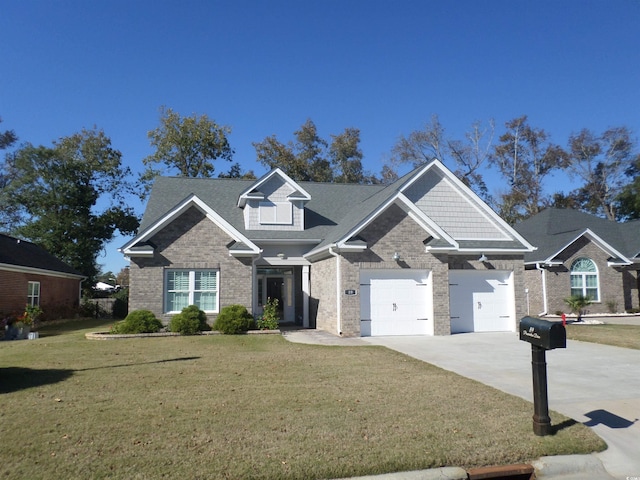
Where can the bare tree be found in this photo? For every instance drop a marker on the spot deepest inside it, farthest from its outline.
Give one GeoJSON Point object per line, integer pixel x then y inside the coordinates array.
{"type": "Point", "coordinates": [604, 163]}
{"type": "Point", "coordinates": [525, 157]}
{"type": "Point", "coordinates": [466, 156]}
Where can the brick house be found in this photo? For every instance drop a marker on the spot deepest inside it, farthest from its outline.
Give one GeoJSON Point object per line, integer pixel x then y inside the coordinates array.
{"type": "Point", "coordinates": [30, 275]}
{"type": "Point", "coordinates": [421, 256]}
{"type": "Point", "coordinates": [579, 253]}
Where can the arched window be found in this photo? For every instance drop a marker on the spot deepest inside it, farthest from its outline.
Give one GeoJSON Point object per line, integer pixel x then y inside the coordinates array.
{"type": "Point", "coordinates": [584, 279]}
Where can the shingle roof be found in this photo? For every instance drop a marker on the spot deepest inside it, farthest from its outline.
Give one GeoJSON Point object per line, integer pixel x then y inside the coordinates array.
{"type": "Point", "coordinates": [332, 214]}
{"type": "Point", "coordinates": [554, 228]}
{"type": "Point", "coordinates": [329, 204]}
{"type": "Point", "coordinates": [21, 253]}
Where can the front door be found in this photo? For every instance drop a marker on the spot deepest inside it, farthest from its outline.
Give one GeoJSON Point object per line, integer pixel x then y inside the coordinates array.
{"type": "Point", "coordinates": [274, 292]}
{"type": "Point", "coordinates": [278, 284]}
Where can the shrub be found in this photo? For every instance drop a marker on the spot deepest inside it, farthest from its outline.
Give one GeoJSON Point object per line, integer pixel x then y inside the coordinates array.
{"type": "Point", "coordinates": [612, 306]}
{"type": "Point", "coordinates": [233, 319]}
{"type": "Point", "coordinates": [270, 318]}
{"type": "Point", "coordinates": [189, 321]}
{"type": "Point", "coordinates": [577, 304]}
{"type": "Point", "coordinates": [138, 321]}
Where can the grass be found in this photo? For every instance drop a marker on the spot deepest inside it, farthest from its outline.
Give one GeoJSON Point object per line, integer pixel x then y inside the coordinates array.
{"type": "Point", "coordinates": [627, 336]}
{"type": "Point", "coordinates": [249, 407]}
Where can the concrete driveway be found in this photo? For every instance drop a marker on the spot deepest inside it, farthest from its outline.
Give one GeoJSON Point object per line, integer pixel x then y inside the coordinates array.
{"type": "Point", "coordinates": [595, 384]}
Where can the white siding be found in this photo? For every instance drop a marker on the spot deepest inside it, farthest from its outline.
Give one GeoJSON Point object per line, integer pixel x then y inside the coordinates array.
{"type": "Point", "coordinates": [276, 191]}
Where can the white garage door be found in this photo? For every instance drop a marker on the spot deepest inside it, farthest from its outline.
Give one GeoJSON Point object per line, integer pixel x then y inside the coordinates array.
{"type": "Point", "coordinates": [396, 302]}
{"type": "Point", "coordinates": [481, 301]}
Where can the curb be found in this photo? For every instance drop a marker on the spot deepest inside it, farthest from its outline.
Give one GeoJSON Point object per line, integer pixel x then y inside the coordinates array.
{"type": "Point", "coordinates": [443, 473]}
{"type": "Point", "coordinates": [580, 466]}
{"type": "Point", "coordinates": [120, 336]}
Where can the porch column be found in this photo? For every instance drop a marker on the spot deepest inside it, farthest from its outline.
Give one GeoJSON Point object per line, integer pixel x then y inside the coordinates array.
{"type": "Point", "coordinates": [305, 296]}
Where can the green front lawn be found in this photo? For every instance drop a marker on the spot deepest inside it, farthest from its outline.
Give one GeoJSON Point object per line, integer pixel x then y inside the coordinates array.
{"type": "Point", "coordinates": [247, 407]}
{"type": "Point", "coordinates": [627, 336]}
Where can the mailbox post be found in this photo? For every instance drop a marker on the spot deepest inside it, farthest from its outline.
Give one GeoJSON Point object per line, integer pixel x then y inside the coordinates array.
{"type": "Point", "coordinates": [542, 335]}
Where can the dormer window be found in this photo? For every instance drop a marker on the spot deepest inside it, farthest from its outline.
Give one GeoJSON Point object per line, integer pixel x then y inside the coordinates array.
{"type": "Point", "coordinates": [276, 213]}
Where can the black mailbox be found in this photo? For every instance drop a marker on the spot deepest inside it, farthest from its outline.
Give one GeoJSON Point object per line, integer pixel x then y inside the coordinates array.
{"type": "Point", "coordinates": [542, 333]}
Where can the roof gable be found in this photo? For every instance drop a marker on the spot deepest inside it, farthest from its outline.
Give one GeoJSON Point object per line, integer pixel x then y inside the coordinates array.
{"type": "Point", "coordinates": [277, 175]}
{"type": "Point", "coordinates": [554, 230]}
{"type": "Point", "coordinates": [133, 247]}
{"type": "Point", "coordinates": [419, 180]}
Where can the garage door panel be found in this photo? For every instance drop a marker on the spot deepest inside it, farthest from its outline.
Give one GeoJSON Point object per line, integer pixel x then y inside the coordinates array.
{"type": "Point", "coordinates": [397, 303]}
{"type": "Point", "coordinates": [481, 301]}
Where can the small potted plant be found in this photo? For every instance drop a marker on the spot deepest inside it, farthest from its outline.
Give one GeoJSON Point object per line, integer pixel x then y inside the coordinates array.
{"type": "Point", "coordinates": [29, 320]}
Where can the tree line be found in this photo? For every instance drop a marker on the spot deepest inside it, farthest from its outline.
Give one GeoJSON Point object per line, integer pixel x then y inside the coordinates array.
{"type": "Point", "coordinates": [70, 197]}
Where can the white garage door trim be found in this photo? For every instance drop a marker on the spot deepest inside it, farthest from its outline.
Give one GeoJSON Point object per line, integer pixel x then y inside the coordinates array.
{"type": "Point", "coordinates": [396, 302]}
{"type": "Point", "coordinates": [482, 301]}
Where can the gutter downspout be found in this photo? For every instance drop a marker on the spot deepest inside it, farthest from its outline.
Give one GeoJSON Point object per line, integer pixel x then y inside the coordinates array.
{"type": "Point", "coordinates": [543, 271]}
{"type": "Point", "coordinates": [338, 289]}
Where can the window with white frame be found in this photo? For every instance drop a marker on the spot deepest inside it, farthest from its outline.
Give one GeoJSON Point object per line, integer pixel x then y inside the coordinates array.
{"type": "Point", "coordinates": [191, 287]}
{"type": "Point", "coordinates": [33, 294]}
{"type": "Point", "coordinates": [280, 213]}
{"type": "Point", "coordinates": [584, 279]}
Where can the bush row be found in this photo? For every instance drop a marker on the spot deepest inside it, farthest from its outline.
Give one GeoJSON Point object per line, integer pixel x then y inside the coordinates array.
{"type": "Point", "coordinates": [231, 320]}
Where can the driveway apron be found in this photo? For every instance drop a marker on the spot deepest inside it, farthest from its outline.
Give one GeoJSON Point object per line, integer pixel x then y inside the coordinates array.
{"type": "Point", "coordinates": [597, 385]}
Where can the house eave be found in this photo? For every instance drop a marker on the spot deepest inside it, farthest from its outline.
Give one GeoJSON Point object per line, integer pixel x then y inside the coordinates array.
{"type": "Point", "coordinates": [39, 271]}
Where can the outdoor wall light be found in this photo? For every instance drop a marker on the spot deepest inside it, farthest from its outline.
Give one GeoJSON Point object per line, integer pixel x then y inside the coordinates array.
{"type": "Point", "coordinates": [483, 258]}
{"type": "Point", "coordinates": [396, 257]}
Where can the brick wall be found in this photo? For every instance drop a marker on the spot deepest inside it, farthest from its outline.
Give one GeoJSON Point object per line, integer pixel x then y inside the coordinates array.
{"type": "Point", "coordinates": [533, 281]}
{"type": "Point", "coordinates": [56, 293]}
{"type": "Point", "coordinates": [323, 295]}
{"type": "Point", "coordinates": [610, 280]}
{"type": "Point", "coordinates": [190, 241]}
{"type": "Point", "coordinates": [394, 231]}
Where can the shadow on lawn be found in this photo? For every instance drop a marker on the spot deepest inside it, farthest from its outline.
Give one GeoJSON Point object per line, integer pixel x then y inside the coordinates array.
{"type": "Point", "coordinates": [13, 379]}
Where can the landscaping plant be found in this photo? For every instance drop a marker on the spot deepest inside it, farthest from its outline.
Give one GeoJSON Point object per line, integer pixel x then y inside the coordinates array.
{"type": "Point", "coordinates": [138, 321]}
{"type": "Point", "coordinates": [577, 304]}
{"type": "Point", "coordinates": [233, 319]}
{"type": "Point", "coordinates": [190, 321]}
{"type": "Point", "coordinates": [270, 319]}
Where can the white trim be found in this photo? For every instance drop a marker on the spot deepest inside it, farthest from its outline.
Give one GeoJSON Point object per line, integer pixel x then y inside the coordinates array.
{"type": "Point", "coordinates": [476, 200]}
{"type": "Point", "coordinates": [39, 271]}
{"type": "Point", "coordinates": [604, 246]}
{"type": "Point", "coordinates": [306, 295]}
{"type": "Point", "coordinates": [191, 291]}
{"type": "Point", "coordinates": [244, 196]}
{"type": "Point", "coordinates": [178, 210]}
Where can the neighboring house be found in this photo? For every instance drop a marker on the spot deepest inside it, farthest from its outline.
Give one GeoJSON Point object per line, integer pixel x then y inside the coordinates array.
{"type": "Point", "coordinates": [421, 256]}
{"type": "Point", "coordinates": [579, 253]}
{"type": "Point", "coordinates": [29, 275]}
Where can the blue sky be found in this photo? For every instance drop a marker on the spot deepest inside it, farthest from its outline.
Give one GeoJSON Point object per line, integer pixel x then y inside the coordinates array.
{"type": "Point", "coordinates": [264, 67]}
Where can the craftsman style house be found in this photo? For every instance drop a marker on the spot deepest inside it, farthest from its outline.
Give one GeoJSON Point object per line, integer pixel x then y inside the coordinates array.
{"type": "Point", "coordinates": [421, 256]}
{"type": "Point", "coordinates": [581, 254]}
{"type": "Point", "coordinates": [29, 275]}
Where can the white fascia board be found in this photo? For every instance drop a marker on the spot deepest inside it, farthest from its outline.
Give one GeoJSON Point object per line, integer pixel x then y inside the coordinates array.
{"type": "Point", "coordinates": [479, 204]}
{"type": "Point", "coordinates": [403, 202]}
{"type": "Point", "coordinates": [39, 271]}
{"type": "Point", "coordinates": [304, 195]}
{"type": "Point", "coordinates": [423, 219]}
{"type": "Point", "coordinates": [178, 210]}
{"type": "Point", "coordinates": [604, 246]}
{"type": "Point", "coordinates": [509, 251]}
